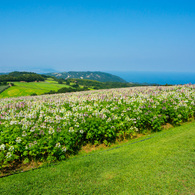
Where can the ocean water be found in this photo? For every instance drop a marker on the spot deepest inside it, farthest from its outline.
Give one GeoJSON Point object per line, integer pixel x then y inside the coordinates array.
{"type": "Point", "coordinates": [162, 78]}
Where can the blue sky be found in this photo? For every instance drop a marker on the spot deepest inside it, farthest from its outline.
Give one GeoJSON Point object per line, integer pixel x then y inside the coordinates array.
{"type": "Point", "coordinates": [100, 35]}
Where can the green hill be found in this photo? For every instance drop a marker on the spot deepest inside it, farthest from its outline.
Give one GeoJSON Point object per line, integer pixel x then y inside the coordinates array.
{"type": "Point", "coordinates": [98, 76]}
{"type": "Point", "coordinates": [26, 89]}
{"type": "Point", "coordinates": [22, 76]}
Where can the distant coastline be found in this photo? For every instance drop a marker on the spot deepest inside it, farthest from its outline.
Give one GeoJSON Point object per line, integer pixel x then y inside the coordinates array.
{"type": "Point", "coordinates": [162, 78]}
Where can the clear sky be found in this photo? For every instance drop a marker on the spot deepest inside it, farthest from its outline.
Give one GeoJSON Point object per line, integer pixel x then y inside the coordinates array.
{"type": "Point", "coordinates": [101, 35]}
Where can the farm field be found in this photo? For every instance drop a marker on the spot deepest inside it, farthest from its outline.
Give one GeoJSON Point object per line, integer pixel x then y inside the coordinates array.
{"type": "Point", "coordinates": [50, 128]}
{"type": "Point", "coordinates": [162, 164]}
{"type": "Point", "coordinates": [3, 87]}
{"type": "Point", "coordinates": [26, 89]}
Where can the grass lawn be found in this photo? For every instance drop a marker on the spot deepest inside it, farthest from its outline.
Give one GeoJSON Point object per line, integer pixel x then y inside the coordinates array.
{"type": "Point", "coordinates": [163, 164]}
{"type": "Point", "coordinates": [25, 89]}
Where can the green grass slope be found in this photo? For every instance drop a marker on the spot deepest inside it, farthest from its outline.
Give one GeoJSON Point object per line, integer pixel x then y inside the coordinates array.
{"type": "Point", "coordinates": [25, 89]}
{"type": "Point", "coordinates": [3, 88]}
{"type": "Point", "coordinates": [163, 164]}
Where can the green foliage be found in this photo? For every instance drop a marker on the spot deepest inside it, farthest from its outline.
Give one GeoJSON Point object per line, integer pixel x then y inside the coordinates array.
{"type": "Point", "coordinates": [33, 94]}
{"type": "Point", "coordinates": [60, 81]}
{"type": "Point", "coordinates": [21, 76]}
{"type": "Point", "coordinates": [3, 83]}
{"type": "Point", "coordinates": [101, 85]}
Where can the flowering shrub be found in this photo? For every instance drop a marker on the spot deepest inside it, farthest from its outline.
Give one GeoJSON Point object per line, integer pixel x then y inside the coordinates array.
{"type": "Point", "coordinates": [52, 127]}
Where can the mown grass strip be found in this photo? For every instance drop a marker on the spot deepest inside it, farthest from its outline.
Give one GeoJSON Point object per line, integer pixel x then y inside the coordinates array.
{"type": "Point", "coordinates": [161, 165]}
{"type": "Point", "coordinates": [3, 88]}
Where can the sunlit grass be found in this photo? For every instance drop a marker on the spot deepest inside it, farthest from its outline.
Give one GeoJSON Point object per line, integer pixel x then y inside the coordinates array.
{"type": "Point", "coordinates": [25, 89]}
{"type": "Point", "coordinates": [163, 164]}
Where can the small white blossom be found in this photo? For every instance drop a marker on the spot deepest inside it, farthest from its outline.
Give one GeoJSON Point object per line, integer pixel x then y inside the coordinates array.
{"type": "Point", "coordinates": [2, 147]}
{"type": "Point", "coordinates": [108, 120]}
{"type": "Point", "coordinates": [11, 148]}
{"type": "Point", "coordinates": [71, 129]}
{"type": "Point", "coordinates": [8, 155]}
{"type": "Point", "coordinates": [64, 149]}
{"type": "Point", "coordinates": [51, 130]}
{"type": "Point", "coordinates": [24, 134]}
{"type": "Point", "coordinates": [81, 131]}
{"type": "Point", "coordinates": [58, 145]}
{"type": "Point", "coordinates": [32, 129]}
{"type": "Point", "coordinates": [18, 139]}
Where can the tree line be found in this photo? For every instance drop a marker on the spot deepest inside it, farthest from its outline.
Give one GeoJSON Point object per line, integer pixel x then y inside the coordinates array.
{"type": "Point", "coordinates": [22, 76]}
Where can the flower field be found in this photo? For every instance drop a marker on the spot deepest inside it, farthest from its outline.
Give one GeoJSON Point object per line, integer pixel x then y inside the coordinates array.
{"type": "Point", "coordinates": [52, 127]}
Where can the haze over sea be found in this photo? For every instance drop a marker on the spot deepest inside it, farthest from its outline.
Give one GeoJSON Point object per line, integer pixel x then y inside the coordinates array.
{"type": "Point", "coordinates": [157, 77]}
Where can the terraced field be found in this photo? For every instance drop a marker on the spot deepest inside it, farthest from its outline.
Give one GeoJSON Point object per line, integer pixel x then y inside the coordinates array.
{"type": "Point", "coordinates": [3, 87]}
{"type": "Point", "coordinates": [26, 89]}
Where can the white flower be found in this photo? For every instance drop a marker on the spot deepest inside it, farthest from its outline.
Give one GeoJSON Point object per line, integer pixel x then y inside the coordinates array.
{"type": "Point", "coordinates": [11, 148]}
{"type": "Point", "coordinates": [81, 131]}
{"type": "Point", "coordinates": [71, 129]}
{"type": "Point", "coordinates": [51, 130]}
{"type": "Point", "coordinates": [2, 147]}
{"type": "Point", "coordinates": [108, 120]}
{"type": "Point", "coordinates": [8, 155]}
{"type": "Point", "coordinates": [18, 139]}
{"type": "Point", "coordinates": [32, 129]}
{"type": "Point", "coordinates": [64, 149]}
{"type": "Point", "coordinates": [58, 145]}
{"type": "Point", "coordinates": [127, 118]}
{"type": "Point", "coordinates": [24, 134]}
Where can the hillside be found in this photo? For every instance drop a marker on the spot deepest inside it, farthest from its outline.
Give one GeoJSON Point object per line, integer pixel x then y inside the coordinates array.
{"type": "Point", "coordinates": [98, 76]}
{"type": "Point", "coordinates": [54, 85]}
{"type": "Point", "coordinates": [102, 85]}
{"type": "Point", "coordinates": [30, 88]}
{"type": "Point", "coordinates": [22, 76]}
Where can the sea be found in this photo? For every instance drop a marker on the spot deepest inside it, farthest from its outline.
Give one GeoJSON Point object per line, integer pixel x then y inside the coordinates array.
{"type": "Point", "coordinates": [162, 78]}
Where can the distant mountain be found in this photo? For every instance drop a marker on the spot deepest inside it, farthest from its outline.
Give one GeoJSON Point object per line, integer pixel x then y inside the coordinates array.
{"type": "Point", "coordinates": [98, 76]}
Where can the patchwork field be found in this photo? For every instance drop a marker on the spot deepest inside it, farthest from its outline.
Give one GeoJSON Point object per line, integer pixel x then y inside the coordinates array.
{"type": "Point", "coordinates": [3, 87]}
{"type": "Point", "coordinates": [26, 89]}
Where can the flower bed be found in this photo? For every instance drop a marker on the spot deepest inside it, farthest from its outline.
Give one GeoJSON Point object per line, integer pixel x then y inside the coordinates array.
{"type": "Point", "coordinates": [51, 127]}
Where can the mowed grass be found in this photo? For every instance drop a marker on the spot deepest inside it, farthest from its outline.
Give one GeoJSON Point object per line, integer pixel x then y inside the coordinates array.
{"type": "Point", "coordinates": [25, 89]}
{"type": "Point", "coordinates": [162, 164]}
{"type": "Point", "coordinates": [3, 87]}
